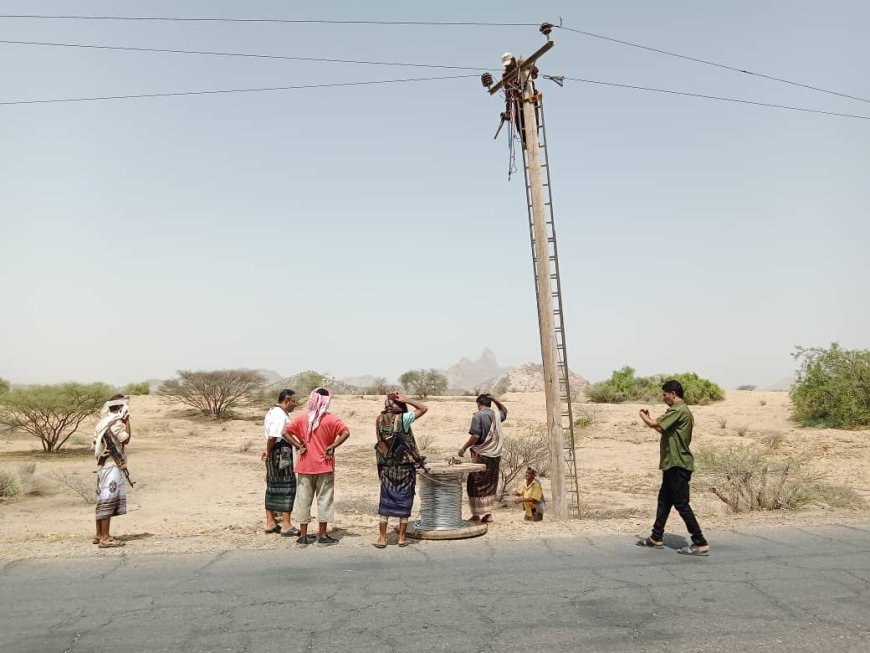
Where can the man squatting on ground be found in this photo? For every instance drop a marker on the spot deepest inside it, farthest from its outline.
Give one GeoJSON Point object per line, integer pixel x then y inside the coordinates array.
{"type": "Point", "coordinates": [110, 437]}
{"type": "Point", "coordinates": [316, 435]}
{"type": "Point", "coordinates": [677, 463]}
{"type": "Point", "coordinates": [280, 475]}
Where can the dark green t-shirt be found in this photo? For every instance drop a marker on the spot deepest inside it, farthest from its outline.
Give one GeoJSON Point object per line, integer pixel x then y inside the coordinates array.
{"type": "Point", "coordinates": [676, 423]}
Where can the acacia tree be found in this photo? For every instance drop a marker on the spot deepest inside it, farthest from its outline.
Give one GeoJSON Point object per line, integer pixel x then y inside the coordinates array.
{"type": "Point", "coordinates": [213, 393]}
{"type": "Point", "coordinates": [424, 383]}
{"type": "Point", "coordinates": [51, 413]}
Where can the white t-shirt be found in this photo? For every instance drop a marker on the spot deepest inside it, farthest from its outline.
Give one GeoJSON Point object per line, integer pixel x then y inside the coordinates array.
{"type": "Point", "coordinates": [275, 422]}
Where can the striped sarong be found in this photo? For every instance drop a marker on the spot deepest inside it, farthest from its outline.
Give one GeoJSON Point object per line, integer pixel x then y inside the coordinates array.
{"type": "Point", "coordinates": [482, 486]}
{"type": "Point", "coordinates": [111, 492]}
{"type": "Point", "coordinates": [280, 483]}
{"type": "Point", "coordinates": [398, 484]}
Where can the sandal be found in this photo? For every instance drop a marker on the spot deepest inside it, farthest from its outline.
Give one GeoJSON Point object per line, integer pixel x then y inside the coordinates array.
{"type": "Point", "coordinates": [693, 550]}
{"type": "Point", "coordinates": [650, 543]}
{"type": "Point", "coordinates": [110, 543]}
{"type": "Point", "coordinates": [95, 540]}
{"type": "Point", "coordinates": [380, 546]}
{"type": "Point", "coordinates": [275, 529]}
{"type": "Point", "coordinates": [326, 540]}
{"type": "Point", "coordinates": [403, 544]}
{"type": "Point", "coordinates": [293, 532]}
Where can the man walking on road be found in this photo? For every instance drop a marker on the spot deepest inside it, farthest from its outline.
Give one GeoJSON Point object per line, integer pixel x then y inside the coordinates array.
{"type": "Point", "coordinates": [677, 464]}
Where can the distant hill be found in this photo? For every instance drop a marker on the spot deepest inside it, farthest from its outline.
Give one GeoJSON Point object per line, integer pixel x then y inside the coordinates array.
{"type": "Point", "coordinates": [468, 374]}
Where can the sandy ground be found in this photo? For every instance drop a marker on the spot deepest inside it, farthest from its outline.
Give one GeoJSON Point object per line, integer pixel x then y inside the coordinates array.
{"type": "Point", "coordinates": [200, 483]}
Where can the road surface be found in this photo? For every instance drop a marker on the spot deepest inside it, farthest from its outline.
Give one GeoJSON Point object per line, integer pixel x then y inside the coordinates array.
{"type": "Point", "coordinates": [761, 590]}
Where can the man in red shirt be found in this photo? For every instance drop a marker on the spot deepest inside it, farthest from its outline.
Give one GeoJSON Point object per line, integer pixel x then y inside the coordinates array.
{"type": "Point", "coordinates": [317, 435]}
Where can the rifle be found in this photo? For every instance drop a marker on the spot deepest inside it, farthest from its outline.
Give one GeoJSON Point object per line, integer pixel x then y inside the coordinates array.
{"type": "Point", "coordinates": [116, 455]}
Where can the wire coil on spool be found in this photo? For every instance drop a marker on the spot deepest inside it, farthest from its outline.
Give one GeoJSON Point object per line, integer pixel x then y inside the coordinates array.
{"type": "Point", "coordinates": [440, 503]}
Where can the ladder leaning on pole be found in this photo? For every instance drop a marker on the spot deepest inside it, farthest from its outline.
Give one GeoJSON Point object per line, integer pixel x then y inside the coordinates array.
{"type": "Point", "coordinates": [551, 267]}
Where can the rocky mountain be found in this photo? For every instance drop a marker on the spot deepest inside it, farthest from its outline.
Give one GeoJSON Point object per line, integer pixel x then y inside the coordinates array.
{"type": "Point", "coordinates": [529, 377]}
{"type": "Point", "coordinates": [468, 374]}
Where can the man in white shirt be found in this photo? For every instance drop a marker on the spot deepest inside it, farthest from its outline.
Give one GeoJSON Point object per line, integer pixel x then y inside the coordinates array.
{"type": "Point", "coordinates": [279, 459]}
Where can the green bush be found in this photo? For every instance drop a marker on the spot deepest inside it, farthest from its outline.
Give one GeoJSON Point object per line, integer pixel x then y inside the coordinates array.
{"type": "Point", "coordinates": [4, 386]}
{"type": "Point", "coordinates": [698, 391]}
{"type": "Point", "coordinates": [623, 386]}
{"type": "Point", "coordinates": [832, 388]}
{"type": "Point", "coordinates": [424, 383]}
{"type": "Point", "coordinates": [304, 382]}
{"type": "Point", "coordinates": [142, 388]}
{"type": "Point", "coordinates": [9, 485]}
{"type": "Point", "coordinates": [51, 413]}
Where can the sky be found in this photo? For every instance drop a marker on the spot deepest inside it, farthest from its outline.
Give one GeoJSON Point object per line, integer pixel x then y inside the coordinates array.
{"type": "Point", "coordinates": [373, 229]}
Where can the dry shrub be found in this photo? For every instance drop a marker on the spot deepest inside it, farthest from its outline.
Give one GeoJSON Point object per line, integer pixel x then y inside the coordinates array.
{"type": "Point", "coordinates": [723, 422]}
{"type": "Point", "coordinates": [424, 442]}
{"type": "Point", "coordinates": [586, 416]}
{"type": "Point", "coordinates": [26, 470]}
{"type": "Point", "coordinates": [529, 450]}
{"type": "Point", "coordinates": [742, 430]}
{"type": "Point", "coordinates": [245, 445]}
{"type": "Point", "coordinates": [773, 440]}
{"type": "Point", "coordinates": [9, 484]}
{"type": "Point", "coordinates": [753, 478]}
{"type": "Point", "coordinates": [85, 488]}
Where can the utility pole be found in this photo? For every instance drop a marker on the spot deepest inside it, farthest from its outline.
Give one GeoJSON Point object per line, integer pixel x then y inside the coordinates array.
{"type": "Point", "coordinates": [523, 101]}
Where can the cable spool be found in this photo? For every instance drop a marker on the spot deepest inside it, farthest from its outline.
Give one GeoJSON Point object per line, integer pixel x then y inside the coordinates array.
{"type": "Point", "coordinates": [440, 493]}
{"type": "Point", "coordinates": [440, 503]}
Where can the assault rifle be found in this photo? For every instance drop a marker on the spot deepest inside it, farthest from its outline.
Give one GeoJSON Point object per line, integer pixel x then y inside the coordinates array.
{"type": "Point", "coordinates": [117, 456]}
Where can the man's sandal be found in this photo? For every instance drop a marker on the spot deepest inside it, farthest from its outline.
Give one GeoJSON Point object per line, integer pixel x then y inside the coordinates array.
{"type": "Point", "coordinates": [693, 550]}
{"type": "Point", "coordinates": [110, 543]}
{"type": "Point", "coordinates": [650, 543]}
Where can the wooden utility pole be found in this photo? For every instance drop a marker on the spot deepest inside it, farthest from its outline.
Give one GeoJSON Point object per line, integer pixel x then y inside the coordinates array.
{"type": "Point", "coordinates": [546, 320]}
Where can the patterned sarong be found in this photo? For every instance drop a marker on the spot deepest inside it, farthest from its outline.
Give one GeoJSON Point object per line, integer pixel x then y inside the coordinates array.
{"type": "Point", "coordinates": [280, 483]}
{"type": "Point", "coordinates": [482, 486]}
{"type": "Point", "coordinates": [111, 492]}
{"type": "Point", "coordinates": [398, 484]}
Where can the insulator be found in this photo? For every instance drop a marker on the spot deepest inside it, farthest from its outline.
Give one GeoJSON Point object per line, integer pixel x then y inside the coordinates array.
{"type": "Point", "coordinates": [546, 28]}
{"type": "Point", "coordinates": [486, 79]}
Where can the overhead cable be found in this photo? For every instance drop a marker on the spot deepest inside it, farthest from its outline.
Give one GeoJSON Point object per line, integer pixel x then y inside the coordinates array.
{"type": "Point", "coordinates": [137, 96]}
{"type": "Point", "coordinates": [710, 97]}
{"type": "Point", "coordinates": [715, 64]}
{"type": "Point", "coordinates": [293, 21]}
{"type": "Point", "coordinates": [125, 48]}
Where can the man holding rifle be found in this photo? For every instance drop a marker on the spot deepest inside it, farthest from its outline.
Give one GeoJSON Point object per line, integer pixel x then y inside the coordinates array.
{"type": "Point", "coordinates": [110, 439]}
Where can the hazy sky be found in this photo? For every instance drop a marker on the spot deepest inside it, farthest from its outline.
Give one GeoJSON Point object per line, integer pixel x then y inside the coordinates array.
{"type": "Point", "coordinates": [373, 229]}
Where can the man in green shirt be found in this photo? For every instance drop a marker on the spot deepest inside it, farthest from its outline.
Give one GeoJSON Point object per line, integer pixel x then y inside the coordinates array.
{"type": "Point", "coordinates": [677, 465]}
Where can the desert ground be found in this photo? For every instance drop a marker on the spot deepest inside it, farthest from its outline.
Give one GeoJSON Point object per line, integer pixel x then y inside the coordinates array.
{"type": "Point", "coordinates": [199, 483]}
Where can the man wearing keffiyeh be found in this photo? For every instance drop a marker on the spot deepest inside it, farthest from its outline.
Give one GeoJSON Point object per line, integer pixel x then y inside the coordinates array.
{"type": "Point", "coordinates": [316, 435]}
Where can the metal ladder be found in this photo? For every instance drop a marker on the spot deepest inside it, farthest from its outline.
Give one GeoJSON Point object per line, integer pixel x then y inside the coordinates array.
{"type": "Point", "coordinates": [572, 490]}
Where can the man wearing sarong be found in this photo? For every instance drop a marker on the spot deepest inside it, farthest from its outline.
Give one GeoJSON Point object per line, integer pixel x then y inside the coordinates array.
{"type": "Point", "coordinates": [398, 458]}
{"type": "Point", "coordinates": [316, 435]}
{"type": "Point", "coordinates": [280, 476]}
{"type": "Point", "coordinates": [485, 444]}
{"type": "Point", "coordinates": [112, 433]}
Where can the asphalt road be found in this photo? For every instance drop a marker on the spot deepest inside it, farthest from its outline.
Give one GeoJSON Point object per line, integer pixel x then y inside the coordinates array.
{"type": "Point", "coordinates": [760, 590]}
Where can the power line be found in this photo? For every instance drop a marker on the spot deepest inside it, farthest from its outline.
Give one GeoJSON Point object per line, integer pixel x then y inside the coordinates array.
{"type": "Point", "coordinates": [713, 97]}
{"type": "Point", "coordinates": [124, 48]}
{"type": "Point", "coordinates": [437, 23]}
{"type": "Point", "coordinates": [715, 64]}
{"type": "Point", "coordinates": [231, 90]}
